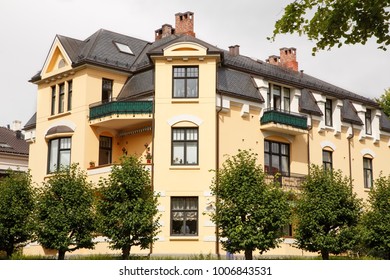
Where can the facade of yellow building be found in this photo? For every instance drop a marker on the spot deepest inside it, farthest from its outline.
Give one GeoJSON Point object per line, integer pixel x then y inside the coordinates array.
{"type": "Point", "coordinates": [181, 105]}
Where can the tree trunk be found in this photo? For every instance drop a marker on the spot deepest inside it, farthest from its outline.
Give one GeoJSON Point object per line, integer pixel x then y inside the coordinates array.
{"type": "Point", "coordinates": [248, 254]}
{"type": "Point", "coordinates": [325, 255]}
{"type": "Point", "coordinates": [9, 251]}
{"type": "Point", "coordinates": [126, 252]}
{"type": "Point", "coordinates": [61, 254]}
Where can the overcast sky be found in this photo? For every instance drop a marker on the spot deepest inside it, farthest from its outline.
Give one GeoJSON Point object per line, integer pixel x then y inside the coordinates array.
{"type": "Point", "coordinates": [28, 28]}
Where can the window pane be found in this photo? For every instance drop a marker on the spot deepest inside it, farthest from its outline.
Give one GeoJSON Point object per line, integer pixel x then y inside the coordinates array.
{"type": "Point", "coordinates": [275, 164]}
{"type": "Point", "coordinates": [326, 155]}
{"type": "Point", "coordinates": [192, 72]}
{"type": "Point", "coordinates": [275, 148]}
{"type": "Point", "coordinates": [368, 179]}
{"type": "Point", "coordinates": [192, 153]}
{"type": "Point", "coordinates": [192, 134]}
{"type": "Point", "coordinates": [178, 204]}
{"type": "Point", "coordinates": [179, 134]}
{"type": "Point", "coordinates": [192, 203]}
{"type": "Point", "coordinates": [276, 90]}
{"type": "Point", "coordinates": [178, 88]}
{"type": "Point", "coordinates": [178, 153]}
{"type": "Point", "coordinates": [284, 149]}
{"type": "Point", "coordinates": [266, 146]}
{"type": "Point", "coordinates": [178, 72]}
{"type": "Point", "coordinates": [64, 158]}
{"type": "Point", "coordinates": [53, 155]}
{"type": "Point", "coordinates": [192, 88]}
{"type": "Point", "coordinates": [367, 163]}
{"type": "Point", "coordinates": [285, 165]}
{"type": "Point", "coordinates": [65, 143]}
{"type": "Point", "coordinates": [266, 163]}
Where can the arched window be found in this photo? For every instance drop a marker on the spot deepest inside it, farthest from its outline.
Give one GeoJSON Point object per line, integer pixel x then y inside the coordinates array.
{"type": "Point", "coordinates": [327, 158]}
{"type": "Point", "coordinates": [367, 171]}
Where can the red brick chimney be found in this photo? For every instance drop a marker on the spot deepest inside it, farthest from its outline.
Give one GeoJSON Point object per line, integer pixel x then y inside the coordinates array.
{"type": "Point", "coordinates": [288, 58]}
{"type": "Point", "coordinates": [185, 23]}
{"type": "Point", "coordinates": [165, 31]}
{"type": "Point", "coordinates": [274, 60]}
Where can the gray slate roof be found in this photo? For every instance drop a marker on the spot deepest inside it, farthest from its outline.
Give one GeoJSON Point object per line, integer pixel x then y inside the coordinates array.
{"type": "Point", "coordinates": [349, 113]}
{"type": "Point", "coordinates": [10, 144]}
{"type": "Point", "coordinates": [31, 123]}
{"type": "Point", "coordinates": [234, 73]}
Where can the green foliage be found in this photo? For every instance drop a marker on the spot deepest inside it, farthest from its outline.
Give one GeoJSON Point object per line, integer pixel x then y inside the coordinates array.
{"type": "Point", "coordinates": [250, 212]}
{"type": "Point", "coordinates": [65, 216]}
{"type": "Point", "coordinates": [377, 219]}
{"type": "Point", "coordinates": [327, 213]}
{"type": "Point", "coordinates": [16, 206]}
{"type": "Point", "coordinates": [384, 102]}
{"type": "Point", "coordinates": [127, 208]}
{"type": "Point", "coordinates": [336, 22]}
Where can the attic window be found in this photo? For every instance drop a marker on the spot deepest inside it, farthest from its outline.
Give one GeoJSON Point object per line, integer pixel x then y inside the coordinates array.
{"type": "Point", "coordinates": [4, 145]}
{"type": "Point", "coordinates": [123, 48]}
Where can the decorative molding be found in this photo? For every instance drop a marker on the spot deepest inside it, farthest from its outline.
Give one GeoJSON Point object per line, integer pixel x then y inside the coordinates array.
{"type": "Point", "coordinates": [328, 144]}
{"type": "Point", "coordinates": [368, 151]}
{"type": "Point", "coordinates": [185, 118]}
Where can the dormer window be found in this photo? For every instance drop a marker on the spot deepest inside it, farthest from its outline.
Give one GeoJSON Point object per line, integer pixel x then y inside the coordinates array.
{"type": "Point", "coordinates": [278, 98]}
{"type": "Point", "coordinates": [123, 48]}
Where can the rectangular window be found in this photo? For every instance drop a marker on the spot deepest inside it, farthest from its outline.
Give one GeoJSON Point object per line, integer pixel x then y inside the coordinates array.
{"type": "Point", "coordinates": [70, 92]}
{"type": "Point", "coordinates": [105, 150]}
{"type": "Point", "coordinates": [59, 154]}
{"type": "Point", "coordinates": [184, 146]}
{"type": "Point", "coordinates": [276, 94]}
{"type": "Point", "coordinates": [368, 121]}
{"type": "Point", "coordinates": [61, 98]}
{"type": "Point", "coordinates": [328, 113]}
{"type": "Point", "coordinates": [327, 161]}
{"type": "Point", "coordinates": [53, 100]}
{"type": "Point", "coordinates": [184, 216]}
{"type": "Point", "coordinates": [286, 100]}
{"type": "Point", "coordinates": [185, 82]}
{"type": "Point", "coordinates": [367, 171]}
{"type": "Point", "coordinates": [107, 90]}
{"type": "Point", "coordinates": [276, 158]}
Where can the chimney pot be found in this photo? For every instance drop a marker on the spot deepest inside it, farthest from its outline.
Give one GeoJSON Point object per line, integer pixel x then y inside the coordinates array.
{"type": "Point", "coordinates": [288, 58]}
{"type": "Point", "coordinates": [234, 50]}
{"type": "Point", "coordinates": [165, 31]}
{"type": "Point", "coordinates": [185, 23]}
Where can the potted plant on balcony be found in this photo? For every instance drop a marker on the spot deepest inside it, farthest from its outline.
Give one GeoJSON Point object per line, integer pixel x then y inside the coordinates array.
{"type": "Point", "coordinates": [148, 157]}
{"type": "Point", "coordinates": [91, 164]}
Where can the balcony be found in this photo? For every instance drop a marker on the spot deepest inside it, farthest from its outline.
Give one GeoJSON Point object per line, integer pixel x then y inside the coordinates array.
{"type": "Point", "coordinates": [285, 122]}
{"type": "Point", "coordinates": [288, 183]}
{"type": "Point", "coordinates": [119, 114]}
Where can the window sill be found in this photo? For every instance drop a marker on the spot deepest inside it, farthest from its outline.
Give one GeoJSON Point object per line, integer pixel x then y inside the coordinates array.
{"type": "Point", "coordinates": [185, 167]}
{"type": "Point", "coordinates": [185, 100]}
{"type": "Point", "coordinates": [59, 115]}
{"type": "Point", "coordinates": [367, 189]}
{"type": "Point", "coordinates": [184, 238]}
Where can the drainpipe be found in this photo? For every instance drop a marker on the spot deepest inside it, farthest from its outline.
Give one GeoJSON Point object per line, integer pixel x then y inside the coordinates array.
{"type": "Point", "coordinates": [309, 129]}
{"type": "Point", "coordinates": [152, 164]}
{"type": "Point", "coordinates": [217, 176]}
{"type": "Point", "coordinates": [349, 155]}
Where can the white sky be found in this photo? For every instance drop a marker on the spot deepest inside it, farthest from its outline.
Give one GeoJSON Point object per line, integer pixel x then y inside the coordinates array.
{"type": "Point", "coordinates": [28, 28]}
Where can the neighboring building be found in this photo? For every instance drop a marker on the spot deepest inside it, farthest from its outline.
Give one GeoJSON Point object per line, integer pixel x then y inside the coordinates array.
{"type": "Point", "coordinates": [13, 149]}
{"type": "Point", "coordinates": [188, 104]}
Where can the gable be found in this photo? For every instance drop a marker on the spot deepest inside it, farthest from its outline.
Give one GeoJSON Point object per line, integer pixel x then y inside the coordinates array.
{"type": "Point", "coordinates": [185, 49]}
{"type": "Point", "coordinates": [57, 60]}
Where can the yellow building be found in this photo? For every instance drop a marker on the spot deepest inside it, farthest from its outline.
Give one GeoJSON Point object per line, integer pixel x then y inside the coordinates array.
{"type": "Point", "coordinates": [181, 105]}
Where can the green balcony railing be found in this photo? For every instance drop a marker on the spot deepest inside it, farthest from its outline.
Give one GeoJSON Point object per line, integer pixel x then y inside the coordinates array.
{"type": "Point", "coordinates": [282, 117]}
{"type": "Point", "coordinates": [120, 108]}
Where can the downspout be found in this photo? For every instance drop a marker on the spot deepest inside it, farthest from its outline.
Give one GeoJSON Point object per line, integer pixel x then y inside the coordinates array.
{"type": "Point", "coordinates": [217, 176]}
{"type": "Point", "coordinates": [152, 164]}
{"type": "Point", "coordinates": [309, 129]}
{"type": "Point", "coordinates": [349, 155]}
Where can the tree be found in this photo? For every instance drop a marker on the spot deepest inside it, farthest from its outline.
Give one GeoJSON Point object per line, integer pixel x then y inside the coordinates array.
{"type": "Point", "coordinates": [384, 102]}
{"type": "Point", "coordinates": [337, 22]}
{"type": "Point", "coordinates": [65, 216]}
{"type": "Point", "coordinates": [376, 220]}
{"type": "Point", "coordinates": [327, 213]}
{"type": "Point", "coordinates": [16, 208]}
{"type": "Point", "coordinates": [127, 208]}
{"type": "Point", "coordinates": [249, 212]}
